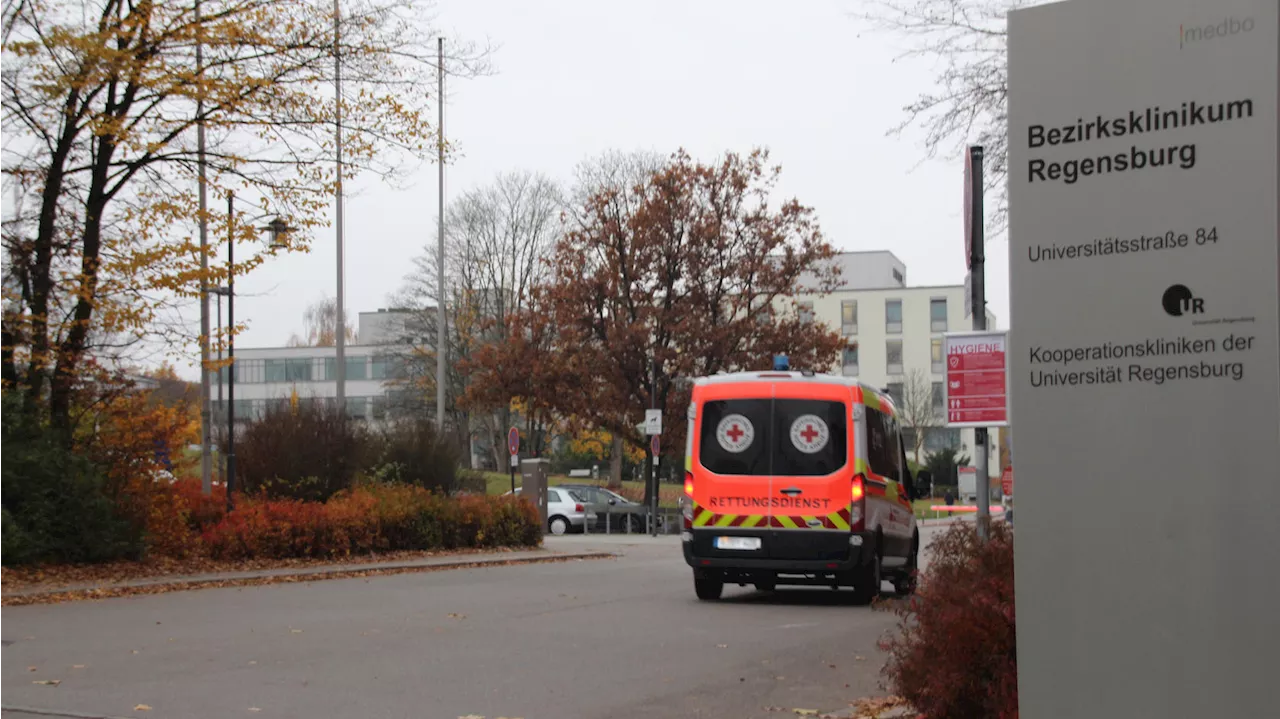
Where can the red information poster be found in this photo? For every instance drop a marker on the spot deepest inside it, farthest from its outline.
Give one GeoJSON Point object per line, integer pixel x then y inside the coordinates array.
{"type": "Point", "coordinates": [977, 386]}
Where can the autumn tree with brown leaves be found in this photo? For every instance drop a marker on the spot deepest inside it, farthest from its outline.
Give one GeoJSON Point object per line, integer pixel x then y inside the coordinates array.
{"type": "Point", "coordinates": [102, 103]}
{"type": "Point", "coordinates": [683, 274]}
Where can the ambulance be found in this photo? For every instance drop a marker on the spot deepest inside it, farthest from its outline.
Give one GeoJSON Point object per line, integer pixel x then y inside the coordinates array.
{"type": "Point", "coordinates": [799, 479]}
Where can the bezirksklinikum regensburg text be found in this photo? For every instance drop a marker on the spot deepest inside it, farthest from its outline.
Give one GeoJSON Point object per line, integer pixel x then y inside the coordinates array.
{"type": "Point", "coordinates": [1136, 122]}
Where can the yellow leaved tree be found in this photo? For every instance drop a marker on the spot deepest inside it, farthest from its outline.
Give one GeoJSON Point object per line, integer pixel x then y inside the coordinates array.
{"type": "Point", "coordinates": [104, 102]}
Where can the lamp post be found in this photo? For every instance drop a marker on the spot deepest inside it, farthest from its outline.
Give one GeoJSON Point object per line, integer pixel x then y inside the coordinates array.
{"type": "Point", "coordinates": [277, 230]}
{"type": "Point", "coordinates": [219, 293]}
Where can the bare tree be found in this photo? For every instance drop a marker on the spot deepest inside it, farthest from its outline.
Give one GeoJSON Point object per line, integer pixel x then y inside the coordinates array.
{"type": "Point", "coordinates": [319, 322]}
{"type": "Point", "coordinates": [918, 408]}
{"type": "Point", "coordinates": [496, 238]}
{"type": "Point", "coordinates": [969, 104]}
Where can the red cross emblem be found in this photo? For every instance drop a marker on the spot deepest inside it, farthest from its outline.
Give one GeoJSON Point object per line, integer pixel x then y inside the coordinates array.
{"type": "Point", "coordinates": [735, 433]}
{"type": "Point", "coordinates": [809, 433]}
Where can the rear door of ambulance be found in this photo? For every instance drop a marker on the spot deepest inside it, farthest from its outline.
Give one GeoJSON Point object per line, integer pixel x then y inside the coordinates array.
{"type": "Point", "coordinates": [772, 460]}
{"type": "Point", "coordinates": [812, 470]}
{"type": "Point", "coordinates": [729, 468]}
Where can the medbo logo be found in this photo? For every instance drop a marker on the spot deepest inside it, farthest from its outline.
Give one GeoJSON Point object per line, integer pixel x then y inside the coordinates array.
{"type": "Point", "coordinates": [1226, 28]}
{"type": "Point", "coordinates": [1178, 300]}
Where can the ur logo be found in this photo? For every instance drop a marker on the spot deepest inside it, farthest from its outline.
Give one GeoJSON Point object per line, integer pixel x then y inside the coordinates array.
{"type": "Point", "coordinates": [1178, 300]}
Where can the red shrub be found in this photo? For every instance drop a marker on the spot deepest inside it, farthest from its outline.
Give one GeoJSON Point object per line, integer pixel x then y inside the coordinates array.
{"type": "Point", "coordinates": [954, 655]}
{"type": "Point", "coordinates": [370, 519]}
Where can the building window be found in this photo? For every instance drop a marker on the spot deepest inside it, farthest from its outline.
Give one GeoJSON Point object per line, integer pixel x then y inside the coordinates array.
{"type": "Point", "coordinates": [357, 368]}
{"type": "Point", "coordinates": [893, 356]}
{"type": "Point", "coordinates": [298, 370]}
{"type": "Point", "coordinates": [940, 438]}
{"type": "Point", "coordinates": [849, 317]}
{"type": "Point", "coordinates": [901, 278]}
{"type": "Point", "coordinates": [939, 400]}
{"type": "Point", "coordinates": [935, 355]}
{"type": "Point", "coordinates": [378, 368]}
{"type": "Point", "coordinates": [893, 317]}
{"type": "Point", "coordinates": [938, 315]}
{"type": "Point", "coordinates": [247, 371]}
{"type": "Point", "coordinates": [379, 409]}
{"type": "Point", "coordinates": [357, 407]}
{"type": "Point", "coordinates": [849, 361]}
{"type": "Point", "coordinates": [275, 370]}
{"type": "Point", "coordinates": [895, 392]}
{"type": "Point", "coordinates": [805, 310]}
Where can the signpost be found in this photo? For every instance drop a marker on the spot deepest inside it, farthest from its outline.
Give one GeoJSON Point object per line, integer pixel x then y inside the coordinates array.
{"type": "Point", "coordinates": [513, 446]}
{"type": "Point", "coordinates": [1144, 255]}
{"type": "Point", "coordinates": [976, 390]}
{"type": "Point", "coordinates": [653, 421]}
{"type": "Point", "coordinates": [653, 449]}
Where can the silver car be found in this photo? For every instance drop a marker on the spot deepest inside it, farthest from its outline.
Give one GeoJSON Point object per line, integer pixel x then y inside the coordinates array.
{"type": "Point", "coordinates": [566, 511]}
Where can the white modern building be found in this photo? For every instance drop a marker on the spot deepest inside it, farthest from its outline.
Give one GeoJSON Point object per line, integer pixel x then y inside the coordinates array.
{"type": "Point", "coordinates": [893, 331]}
{"type": "Point", "coordinates": [266, 375]}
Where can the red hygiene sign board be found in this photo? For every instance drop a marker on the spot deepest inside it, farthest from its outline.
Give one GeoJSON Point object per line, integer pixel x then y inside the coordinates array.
{"type": "Point", "coordinates": [1006, 481]}
{"type": "Point", "coordinates": [977, 386]}
{"type": "Point", "coordinates": [513, 441]}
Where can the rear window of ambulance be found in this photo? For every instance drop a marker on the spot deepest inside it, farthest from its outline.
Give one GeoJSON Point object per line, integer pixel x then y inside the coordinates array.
{"type": "Point", "coordinates": [763, 437]}
{"type": "Point", "coordinates": [802, 445]}
{"type": "Point", "coordinates": [734, 438]}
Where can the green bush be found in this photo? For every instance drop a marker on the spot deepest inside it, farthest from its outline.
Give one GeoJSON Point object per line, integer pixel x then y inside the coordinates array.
{"type": "Point", "coordinates": [306, 452]}
{"type": "Point", "coordinates": [54, 507]}
{"type": "Point", "coordinates": [412, 452]}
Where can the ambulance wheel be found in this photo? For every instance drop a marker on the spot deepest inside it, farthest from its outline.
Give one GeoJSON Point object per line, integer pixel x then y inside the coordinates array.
{"type": "Point", "coordinates": [905, 584]}
{"type": "Point", "coordinates": [866, 581]}
{"type": "Point", "coordinates": [708, 586]}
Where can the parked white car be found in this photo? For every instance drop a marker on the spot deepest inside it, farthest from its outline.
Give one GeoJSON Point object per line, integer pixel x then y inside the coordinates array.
{"type": "Point", "coordinates": [566, 511]}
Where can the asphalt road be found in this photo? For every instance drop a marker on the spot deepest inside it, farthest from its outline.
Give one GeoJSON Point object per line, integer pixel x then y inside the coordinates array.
{"type": "Point", "coordinates": [600, 638]}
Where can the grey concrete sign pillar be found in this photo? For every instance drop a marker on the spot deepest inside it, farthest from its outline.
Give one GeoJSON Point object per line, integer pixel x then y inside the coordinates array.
{"type": "Point", "coordinates": [533, 484]}
{"type": "Point", "coordinates": [1145, 356]}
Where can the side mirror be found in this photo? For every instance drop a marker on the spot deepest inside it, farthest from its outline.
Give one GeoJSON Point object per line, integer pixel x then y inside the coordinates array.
{"type": "Point", "coordinates": [612, 502]}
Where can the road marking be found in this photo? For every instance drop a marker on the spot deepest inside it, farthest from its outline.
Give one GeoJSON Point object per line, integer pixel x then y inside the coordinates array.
{"type": "Point", "coordinates": [802, 625]}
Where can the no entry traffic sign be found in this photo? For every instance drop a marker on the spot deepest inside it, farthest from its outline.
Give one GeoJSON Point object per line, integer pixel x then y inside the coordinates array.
{"type": "Point", "coordinates": [513, 441]}
{"type": "Point", "coordinates": [977, 386]}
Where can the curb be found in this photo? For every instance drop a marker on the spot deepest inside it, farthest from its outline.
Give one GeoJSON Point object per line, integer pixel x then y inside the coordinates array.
{"type": "Point", "coordinates": [66, 714]}
{"type": "Point", "coordinates": [162, 585]}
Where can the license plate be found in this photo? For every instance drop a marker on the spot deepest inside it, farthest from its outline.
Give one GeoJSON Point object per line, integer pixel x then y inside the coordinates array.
{"type": "Point", "coordinates": [746, 543]}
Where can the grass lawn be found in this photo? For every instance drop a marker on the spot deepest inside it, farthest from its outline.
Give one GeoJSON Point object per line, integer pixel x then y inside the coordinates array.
{"type": "Point", "coordinates": [922, 510]}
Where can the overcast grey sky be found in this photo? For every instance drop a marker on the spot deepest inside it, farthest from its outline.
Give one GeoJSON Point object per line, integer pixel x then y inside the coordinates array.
{"type": "Point", "coordinates": [577, 77]}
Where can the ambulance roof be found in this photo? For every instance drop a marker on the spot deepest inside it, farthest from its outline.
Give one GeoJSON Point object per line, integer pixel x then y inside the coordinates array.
{"type": "Point", "coordinates": [732, 377]}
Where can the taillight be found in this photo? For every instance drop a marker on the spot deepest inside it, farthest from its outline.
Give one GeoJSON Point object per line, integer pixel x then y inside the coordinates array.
{"type": "Point", "coordinates": [579, 508]}
{"type": "Point", "coordinates": [688, 484]}
{"type": "Point", "coordinates": [857, 490]}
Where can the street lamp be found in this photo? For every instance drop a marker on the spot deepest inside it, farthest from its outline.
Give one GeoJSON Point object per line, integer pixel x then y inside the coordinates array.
{"type": "Point", "coordinates": [277, 230]}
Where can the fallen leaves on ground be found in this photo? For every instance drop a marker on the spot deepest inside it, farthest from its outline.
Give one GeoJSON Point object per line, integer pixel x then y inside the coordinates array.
{"type": "Point", "coordinates": [53, 577]}
{"type": "Point", "coordinates": [455, 615]}
{"type": "Point", "coordinates": [295, 631]}
{"type": "Point", "coordinates": [873, 707]}
{"type": "Point", "coordinates": [56, 596]}
{"type": "Point", "coordinates": [48, 682]}
{"type": "Point", "coordinates": [254, 709]}
{"type": "Point", "coordinates": [142, 708]}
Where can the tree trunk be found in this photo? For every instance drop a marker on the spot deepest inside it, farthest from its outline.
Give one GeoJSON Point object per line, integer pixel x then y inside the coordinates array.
{"type": "Point", "coordinates": [615, 464]}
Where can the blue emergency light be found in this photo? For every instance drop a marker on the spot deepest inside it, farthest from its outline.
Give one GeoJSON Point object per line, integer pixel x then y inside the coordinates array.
{"type": "Point", "coordinates": [781, 363]}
